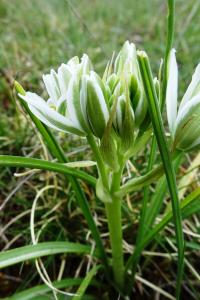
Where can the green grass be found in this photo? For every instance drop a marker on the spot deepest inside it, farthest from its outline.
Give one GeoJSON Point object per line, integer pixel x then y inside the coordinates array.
{"type": "Point", "coordinates": [38, 35]}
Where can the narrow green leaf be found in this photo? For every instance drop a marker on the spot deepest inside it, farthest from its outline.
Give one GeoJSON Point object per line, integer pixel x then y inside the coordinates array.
{"type": "Point", "coordinates": [42, 289]}
{"type": "Point", "coordinates": [143, 213]}
{"type": "Point", "coordinates": [33, 163]}
{"type": "Point", "coordinates": [85, 283]}
{"type": "Point", "coordinates": [166, 159]}
{"type": "Point", "coordinates": [151, 212]}
{"type": "Point", "coordinates": [17, 255]}
{"type": "Point", "coordinates": [158, 197]}
{"type": "Point", "coordinates": [169, 45]}
{"type": "Point", "coordinates": [194, 197]}
{"type": "Point", "coordinates": [142, 181]}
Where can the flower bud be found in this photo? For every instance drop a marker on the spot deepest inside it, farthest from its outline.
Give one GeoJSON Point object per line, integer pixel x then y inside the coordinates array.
{"type": "Point", "coordinates": [108, 146]}
{"type": "Point", "coordinates": [109, 150]}
{"type": "Point", "coordinates": [126, 66]}
{"type": "Point", "coordinates": [96, 106]}
{"type": "Point", "coordinates": [125, 121]}
{"type": "Point", "coordinates": [138, 101]}
{"type": "Point", "coordinates": [112, 81]}
{"type": "Point", "coordinates": [184, 124]}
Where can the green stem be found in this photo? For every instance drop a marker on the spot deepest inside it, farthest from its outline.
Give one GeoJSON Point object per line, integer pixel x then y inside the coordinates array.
{"type": "Point", "coordinates": [113, 212]}
{"type": "Point", "coordinates": [100, 162]}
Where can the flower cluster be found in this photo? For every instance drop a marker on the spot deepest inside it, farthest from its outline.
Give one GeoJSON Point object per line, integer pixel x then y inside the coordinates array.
{"type": "Point", "coordinates": [81, 102]}
{"type": "Point", "coordinates": [113, 107]}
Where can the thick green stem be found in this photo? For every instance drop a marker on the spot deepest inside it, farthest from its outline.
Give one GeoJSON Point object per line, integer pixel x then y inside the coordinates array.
{"type": "Point", "coordinates": [113, 211]}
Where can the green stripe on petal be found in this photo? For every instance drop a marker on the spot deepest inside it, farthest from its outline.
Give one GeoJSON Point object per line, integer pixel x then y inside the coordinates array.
{"type": "Point", "coordinates": [74, 104]}
{"type": "Point", "coordinates": [97, 109]}
{"type": "Point", "coordinates": [48, 115]}
{"type": "Point", "coordinates": [64, 76]}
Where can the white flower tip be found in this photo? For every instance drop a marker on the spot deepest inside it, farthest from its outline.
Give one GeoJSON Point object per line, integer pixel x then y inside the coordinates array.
{"type": "Point", "coordinates": [53, 72]}
{"type": "Point", "coordinates": [173, 50]}
{"type": "Point", "coordinates": [142, 53]}
{"type": "Point", "coordinates": [44, 76]}
{"type": "Point", "coordinates": [73, 61]}
{"type": "Point", "coordinates": [91, 76]}
{"type": "Point", "coordinates": [84, 57]}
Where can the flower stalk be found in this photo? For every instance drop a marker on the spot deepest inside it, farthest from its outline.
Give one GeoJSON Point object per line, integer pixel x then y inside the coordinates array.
{"type": "Point", "coordinates": [113, 211]}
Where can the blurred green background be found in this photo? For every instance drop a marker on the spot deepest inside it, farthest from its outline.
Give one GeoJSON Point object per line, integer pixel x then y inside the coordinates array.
{"type": "Point", "coordinates": [37, 35]}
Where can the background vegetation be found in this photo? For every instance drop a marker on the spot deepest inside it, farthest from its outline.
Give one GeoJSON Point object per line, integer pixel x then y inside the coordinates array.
{"type": "Point", "coordinates": [38, 35]}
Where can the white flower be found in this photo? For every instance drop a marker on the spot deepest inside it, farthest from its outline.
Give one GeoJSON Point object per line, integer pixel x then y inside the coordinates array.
{"type": "Point", "coordinates": [64, 109]}
{"type": "Point", "coordinates": [184, 125]}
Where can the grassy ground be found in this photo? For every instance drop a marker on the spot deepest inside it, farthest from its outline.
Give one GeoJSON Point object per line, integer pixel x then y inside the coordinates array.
{"type": "Point", "coordinates": [37, 35]}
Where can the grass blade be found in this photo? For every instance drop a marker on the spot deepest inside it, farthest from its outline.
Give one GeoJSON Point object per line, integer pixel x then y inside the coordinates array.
{"type": "Point", "coordinates": [185, 206]}
{"type": "Point", "coordinates": [158, 197]}
{"type": "Point", "coordinates": [17, 255]}
{"type": "Point", "coordinates": [42, 289]}
{"type": "Point", "coordinates": [85, 283]}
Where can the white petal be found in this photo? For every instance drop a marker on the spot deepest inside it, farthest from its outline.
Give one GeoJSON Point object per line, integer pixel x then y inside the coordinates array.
{"type": "Point", "coordinates": [193, 88]}
{"type": "Point", "coordinates": [62, 106]}
{"type": "Point", "coordinates": [64, 76]}
{"type": "Point", "coordinates": [49, 116]}
{"type": "Point", "coordinates": [83, 98]}
{"type": "Point", "coordinates": [71, 95]}
{"type": "Point", "coordinates": [172, 91]}
{"type": "Point", "coordinates": [73, 62]}
{"type": "Point", "coordinates": [119, 112]}
{"type": "Point", "coordinates": [186, 110]}
{"type": "Point", "coordinates": [187, 132]}
{"type": "Point", "coordinates": [51, 84]}
{"type": "Point", "coordinates": [85, 63]}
